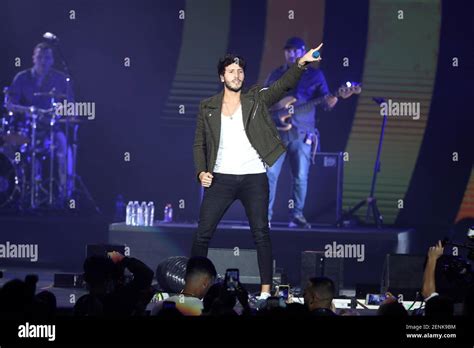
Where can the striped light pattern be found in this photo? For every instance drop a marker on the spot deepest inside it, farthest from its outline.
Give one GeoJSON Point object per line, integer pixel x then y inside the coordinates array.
{"type": "Point", "coordinates": [403, 75]}
{"type": "Point", "coordinates": [205, 34]}
{"type": "Point", "coordinates": [467, 205]}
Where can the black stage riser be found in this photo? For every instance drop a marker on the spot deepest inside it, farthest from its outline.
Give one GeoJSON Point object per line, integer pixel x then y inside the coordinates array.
{"type": "Point", "coordinates": [154, 244]}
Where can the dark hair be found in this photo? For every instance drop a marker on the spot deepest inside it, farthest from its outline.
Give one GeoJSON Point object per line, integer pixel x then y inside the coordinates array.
{"type": "Point", "coordinates": [218, 297]}
{"type": "Point", "coordinates": [323, 287]}
{"type": "Point", "coordinates": [229, 59]}
{"type": "Point", "coordinates": [42, 46]}
{"type": "Point", "coordinates": [99, 269]}
{"type": "Point", "coordinates": [199, 265]}
{"type": "Point", "coordinates": [392, 309]}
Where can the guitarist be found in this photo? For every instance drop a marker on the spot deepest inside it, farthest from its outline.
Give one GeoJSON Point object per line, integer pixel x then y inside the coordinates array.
{"type": "Point", "coordinates": [302, 136]}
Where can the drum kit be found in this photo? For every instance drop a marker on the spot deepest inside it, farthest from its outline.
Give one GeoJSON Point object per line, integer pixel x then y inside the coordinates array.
{"type": "Point", "coordinates": [29, 175]}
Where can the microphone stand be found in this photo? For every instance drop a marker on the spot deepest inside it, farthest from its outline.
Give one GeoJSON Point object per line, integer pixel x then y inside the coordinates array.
{"type": "Point", "coordinates": [371, 201]}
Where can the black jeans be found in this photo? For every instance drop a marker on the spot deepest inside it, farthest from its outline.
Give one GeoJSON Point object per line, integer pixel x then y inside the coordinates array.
{"type": "Point", "coordinates": [252, 190]}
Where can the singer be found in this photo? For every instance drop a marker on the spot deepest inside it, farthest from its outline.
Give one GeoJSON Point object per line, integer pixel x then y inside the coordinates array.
{"type": "Point", "coordinates": [235, 142]}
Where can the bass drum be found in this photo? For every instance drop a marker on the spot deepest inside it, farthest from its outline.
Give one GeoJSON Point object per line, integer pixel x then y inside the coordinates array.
{"type": "Point", "coordinates": [10, 181]}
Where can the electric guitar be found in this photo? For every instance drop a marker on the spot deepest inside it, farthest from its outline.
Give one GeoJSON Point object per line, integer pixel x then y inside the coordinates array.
{"type": "Point", "coordinates": [284, 109]}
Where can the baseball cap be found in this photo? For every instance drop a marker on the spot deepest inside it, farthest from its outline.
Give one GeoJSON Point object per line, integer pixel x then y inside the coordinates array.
{"type": "Point", "coordinates": [294, 42]}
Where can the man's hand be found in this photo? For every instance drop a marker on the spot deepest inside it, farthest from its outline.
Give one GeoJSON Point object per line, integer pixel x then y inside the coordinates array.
{"type": "Point", "coordinates": [331, 101]}
{"type": "Point", "coordinates": [308, 56]}
{"type": "Point", "coordinates": [389, 299]}
{"type": "Point", "coordinates": [429, 282]}
{"type": "Point", "coordinates": [242, 295]}
{"type": "Point", "coordinates": [206, 179]}
{"type": "Point", "coordinates": [435, 251]}
{"type": "Point", "coordinates": [115, 256]}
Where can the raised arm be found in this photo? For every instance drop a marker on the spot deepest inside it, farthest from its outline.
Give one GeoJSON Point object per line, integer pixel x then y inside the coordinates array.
{"type": "Point", "coordinates": [429, 281]}
{"type": "Point", "coordinates": [288, 81]}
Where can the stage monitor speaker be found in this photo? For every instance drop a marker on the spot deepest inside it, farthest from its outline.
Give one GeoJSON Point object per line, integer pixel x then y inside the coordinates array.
{"type": "Point", "coordinates": [324, 198]}
{"type": "Point", "coordinates": [403, 274]}
{"type": "Point", "coordinates": [315, 264]}
{"type": "Point", "coordinates": [243, 259]}
{"type": "Point", "coordinates": [68, 280]}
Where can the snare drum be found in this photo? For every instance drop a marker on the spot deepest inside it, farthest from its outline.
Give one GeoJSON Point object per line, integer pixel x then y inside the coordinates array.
{"type": "Point", "coordinates": [16, 131]}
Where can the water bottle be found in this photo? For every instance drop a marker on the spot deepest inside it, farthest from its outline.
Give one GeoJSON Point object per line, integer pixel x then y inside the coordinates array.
{"type": "Point", "coordinates": [140, 215]}
{"type": "Point", "coordinates": [128, 214]}
{"type": "Point", "coordinates": [165, 213]}
{"type": "Point", "coordinates": [151, 213]}
{"type": "Point", "coordinates": [168, 213]}
{"type": "Point", "coordinates": [134, 213]}
{"type": "Point", "coordinates": [146, 214]}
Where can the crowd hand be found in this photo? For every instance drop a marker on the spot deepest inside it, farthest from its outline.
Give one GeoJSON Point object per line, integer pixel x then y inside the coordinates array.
{"type": "Point", "coordinates": [242, 295]}
{"type": "Point", "coordinates": [435, 251]}
{"type": "Point", "coordinates": [115, 256]}
{"type": "Point", "coordinates": [389, 298]}
{"type": "Point", "coordinates": [206, 179]}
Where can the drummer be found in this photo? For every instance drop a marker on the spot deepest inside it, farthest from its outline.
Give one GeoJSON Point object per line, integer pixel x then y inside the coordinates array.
{"type": "Point", "coordinates": [42, 79]}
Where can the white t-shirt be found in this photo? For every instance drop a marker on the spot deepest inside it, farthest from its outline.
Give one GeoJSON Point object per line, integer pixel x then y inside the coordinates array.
{"type": "Point", "coordinates": [236, 155]}
{"type": "Point", "coordinates": [187, 305]}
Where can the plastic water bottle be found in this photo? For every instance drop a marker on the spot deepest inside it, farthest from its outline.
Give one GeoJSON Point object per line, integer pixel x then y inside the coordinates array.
{"type": "Point", "coordinates": [151, 213]}
{"type": "Point", "coordinates": [135, 213]}
{"type": "Point", "coordinates": [128, 214]}
{"type": "Point", "coordinates": [140, 215]}
{"type": "Point", "coordinates": [146, 214]}
{"type": "Point", "coordinates": [168, 215]}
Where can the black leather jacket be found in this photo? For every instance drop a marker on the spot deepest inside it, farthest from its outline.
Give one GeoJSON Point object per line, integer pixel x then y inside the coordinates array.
{"type": "Point", "coordinates": [259, 126]}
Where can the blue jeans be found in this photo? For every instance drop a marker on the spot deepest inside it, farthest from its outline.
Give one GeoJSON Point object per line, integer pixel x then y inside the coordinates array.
{"type": "Point", "coordinates": [299, 154]}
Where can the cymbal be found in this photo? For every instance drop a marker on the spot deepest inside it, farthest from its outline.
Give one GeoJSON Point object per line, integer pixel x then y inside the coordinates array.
{"type": "Point", "coordinates": [28, 109]}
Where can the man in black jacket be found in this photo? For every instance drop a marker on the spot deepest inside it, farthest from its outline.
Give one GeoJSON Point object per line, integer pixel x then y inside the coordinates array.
{"type": "Point", "coordinates": [109, 294]}
{"type": "Point", "coordinates": [235, 141]}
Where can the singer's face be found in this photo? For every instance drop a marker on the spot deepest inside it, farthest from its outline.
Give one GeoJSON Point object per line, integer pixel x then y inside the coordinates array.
{"type": "Point", "coordinates": [233, 77]}
{"type": "Point", "coordinates": [43, 60]}
{"type": "Point", "coordinates": [291, 54]}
